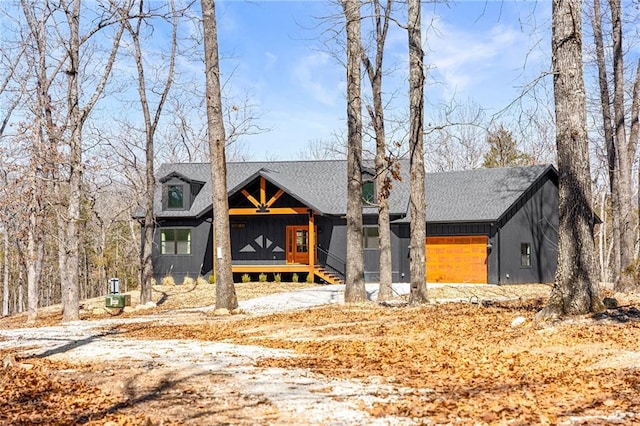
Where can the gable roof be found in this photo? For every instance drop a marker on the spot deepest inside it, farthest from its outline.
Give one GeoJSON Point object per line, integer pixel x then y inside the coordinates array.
{"type": "Point", "coordinates": [463, 196]}
{"type": "Point", "coordinates": [480, 195]}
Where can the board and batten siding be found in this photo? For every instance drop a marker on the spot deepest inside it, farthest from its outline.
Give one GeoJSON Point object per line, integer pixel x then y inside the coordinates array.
{"type": "Point", "coordinates": [533, 220]}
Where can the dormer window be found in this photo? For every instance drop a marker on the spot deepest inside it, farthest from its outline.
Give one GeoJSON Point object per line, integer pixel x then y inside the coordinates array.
{"type": "Point", "coordinates": [175, 197]}
{"type": "Point", "coordinates": [368, 192]}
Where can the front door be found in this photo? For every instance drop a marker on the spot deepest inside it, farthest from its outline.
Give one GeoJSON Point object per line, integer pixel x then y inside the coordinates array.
{"type": "Point", "coordinates": [298, 244]}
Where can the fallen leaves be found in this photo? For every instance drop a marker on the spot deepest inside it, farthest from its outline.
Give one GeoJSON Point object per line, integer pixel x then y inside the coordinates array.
{"type": "Point", "coordinates": [476, 366]}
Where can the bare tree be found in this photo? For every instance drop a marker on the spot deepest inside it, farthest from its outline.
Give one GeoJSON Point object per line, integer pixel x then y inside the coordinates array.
{"type": "Point", "coordinates": [354, 290]}
{"type": "Point", "coordinates": [383, 162]}
{"type": "Point", "coordinates": [151, 121]}
{"type": "Point", "coordinates": [575, 290]}
{"type": "Point", "coordinates": [417, 201]}
{"type": "Point", "coordinates": [225, 290]}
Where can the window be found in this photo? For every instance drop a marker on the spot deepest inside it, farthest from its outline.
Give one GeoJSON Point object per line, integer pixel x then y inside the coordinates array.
{"type": "Point", "coordinates": [368, 192]}
{"type": "Point", "coordinates": [525, 255]}
{"type": "Point", "coordinates": [175, 197]}
{"type": "Point", "coordinates": [176, 241]}
{"type": "Point", "coordinates": [371, 237]}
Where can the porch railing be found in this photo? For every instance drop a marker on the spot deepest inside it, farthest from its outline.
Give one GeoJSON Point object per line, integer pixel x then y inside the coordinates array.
{"type": "Point", "coordinates": [332, 262]}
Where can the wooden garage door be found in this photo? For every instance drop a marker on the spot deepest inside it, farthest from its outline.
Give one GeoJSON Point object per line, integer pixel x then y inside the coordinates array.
{"type": "Point", "coordinates": [457, 259]}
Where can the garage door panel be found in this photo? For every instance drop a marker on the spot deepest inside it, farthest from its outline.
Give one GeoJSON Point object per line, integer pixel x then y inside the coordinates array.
{"type": "Point", "coordinates": [456, 259]}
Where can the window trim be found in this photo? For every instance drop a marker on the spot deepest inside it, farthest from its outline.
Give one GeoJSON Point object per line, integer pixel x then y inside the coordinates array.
{"type": "Point", "coordinates": [164, 243]}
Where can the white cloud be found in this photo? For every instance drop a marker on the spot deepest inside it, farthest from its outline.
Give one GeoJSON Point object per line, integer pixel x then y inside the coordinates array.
{"type": "Point", "coordinates": [316, 73]}
{"type": "Point", "coordinates": [463, 57]}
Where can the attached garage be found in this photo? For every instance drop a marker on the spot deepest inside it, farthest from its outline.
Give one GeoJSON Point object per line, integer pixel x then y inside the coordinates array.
{"type": "Point", "coordinates": [457, 259]}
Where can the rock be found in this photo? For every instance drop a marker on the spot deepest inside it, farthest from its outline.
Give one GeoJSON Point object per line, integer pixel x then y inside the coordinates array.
{"type": "Point", "coordinates": [236, 311]}
{"type": "Point", "coordinates": [97, 311]}
{"type": "Point", "coordinates": [518, 321]}
{"type": "Point", "coordinates": [221, 312]}
{"type": "Point", "coordinates": [610, 302]}
{"type": "Point", "coordinates": [128, 309]}
{"type": "Point", "coordinates": [151, 304]}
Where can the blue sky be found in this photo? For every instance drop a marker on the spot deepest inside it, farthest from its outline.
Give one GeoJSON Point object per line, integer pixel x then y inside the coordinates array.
{"type": "Point", "coordinates": [483, 52]}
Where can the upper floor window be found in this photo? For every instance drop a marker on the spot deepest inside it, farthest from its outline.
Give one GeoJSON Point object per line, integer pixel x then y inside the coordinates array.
{"type": "Point", "coordinates": [368, 192]}
{"type": "Point", "coordinates": [175, 196]}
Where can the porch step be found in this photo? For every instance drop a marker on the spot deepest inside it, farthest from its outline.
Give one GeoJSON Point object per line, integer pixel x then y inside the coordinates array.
{"type": "Point", "coordinates": [329, 277]}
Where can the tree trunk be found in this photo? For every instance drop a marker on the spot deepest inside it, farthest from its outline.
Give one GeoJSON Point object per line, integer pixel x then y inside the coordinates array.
{"type": "Point", "coordinates": [417, 202]}
{"type": "Point", "coordinates": [382, 179]}
{"type": "Point", "coordinates": [575, 290]}
{"type": "Point", "coordinates": [225, 290]}
{"type": "Point", "coordinates": [32, 279]}
{"type": "Point", "coordinates": [5, 278]}
{"type": "Point", "coordinates": [612, 162]}
{"type": "Point", "coordinates": [354, 288]}
{"type": "Point", "coordinates": [625, 156]}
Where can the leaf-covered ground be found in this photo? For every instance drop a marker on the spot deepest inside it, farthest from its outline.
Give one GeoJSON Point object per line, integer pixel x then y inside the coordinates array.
{"type": "Point", "coordinates": [459, 363]}
{"type": "Point", "coordinates": [453, 363]}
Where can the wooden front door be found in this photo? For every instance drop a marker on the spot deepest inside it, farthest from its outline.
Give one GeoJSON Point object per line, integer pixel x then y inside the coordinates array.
{"type": "Point", "coordinates": [298, 244]}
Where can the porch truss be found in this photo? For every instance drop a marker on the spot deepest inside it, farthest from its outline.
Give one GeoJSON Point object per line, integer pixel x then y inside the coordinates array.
{"type": "Point", "coordinates": [263, 205]}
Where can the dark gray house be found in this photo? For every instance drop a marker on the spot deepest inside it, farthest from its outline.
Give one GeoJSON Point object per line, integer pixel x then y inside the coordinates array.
{"type": "Point", "coordinates": [483, 226]}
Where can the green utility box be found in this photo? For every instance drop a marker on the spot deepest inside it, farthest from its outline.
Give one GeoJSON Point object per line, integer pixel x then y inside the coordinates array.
{"type": "Point", "coordinates": [118, 300]}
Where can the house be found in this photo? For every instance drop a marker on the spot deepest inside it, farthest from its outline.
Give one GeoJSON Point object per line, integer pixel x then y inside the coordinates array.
{"type": "Point", "coordinates": [494, 226]}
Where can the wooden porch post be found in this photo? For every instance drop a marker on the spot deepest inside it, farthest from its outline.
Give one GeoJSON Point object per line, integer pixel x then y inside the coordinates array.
{"type": "Point", "coordinates": [312, 247]}
{"type": "Point", "coordinates": [213, 242]}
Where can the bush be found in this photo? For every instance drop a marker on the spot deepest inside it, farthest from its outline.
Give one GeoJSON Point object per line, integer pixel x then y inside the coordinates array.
{"type": "Point", "coordinates": [295, 278]}
{"type": "Point", "coordinates": [246, 278]}
{"type": "Point", "coordinates": [212, 279]}
{"type": "Point", "coordinates": [201, 280]}
{"type": "Point", "coordinates": [168, 280]}
{"type": "Point", "coordinates": [310, 278]}
{"type": "Point", "coordinates": [188, 281]}
{"type": "Point", "coordinates": [277, 277]}
{"type": "Point", "coordinates": [262, 277]}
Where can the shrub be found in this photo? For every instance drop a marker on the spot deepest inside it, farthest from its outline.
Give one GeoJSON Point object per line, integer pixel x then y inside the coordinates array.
{"type": "Point", "coordinates": [246, 278]}
{"type": "Point", "coordinates": [201, 280]}
{"type": "Point", "coordinates": [168, 280]}
{"type": "Point", "coordinates": [262, 277]}
{"type": "Point", "coordinates": [277, 277]}
{"type": "Point", "coordinates": [310, 278]}
{"type": "Point", "coordinates": [188, 281]}
{"type": "Point", "coordinates": [212, 279]}
{"type": "Point", "coordinates": [295, 278]}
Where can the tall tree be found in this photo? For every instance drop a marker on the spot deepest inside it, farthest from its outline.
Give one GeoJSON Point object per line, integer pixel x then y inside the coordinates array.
{"type": "Point", "coordinates": [607, 120]}
{"type": "Point", "coordinates": [355, 290]}
{"type": "Point", "coordinates": [151, 121]}
{"type": "Point", "coordinates": [225, 290]}
{"type": "Point", "coordinates": [575, 289]}
{"type": "Point", "coordinates": [383, 163]}
{"type": "Point", "coordinates": [503, 150]}
{"type": "Point", "coordinates": [417, 201]}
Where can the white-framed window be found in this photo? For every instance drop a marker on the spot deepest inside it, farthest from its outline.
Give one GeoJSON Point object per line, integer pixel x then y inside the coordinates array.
{"type": "Point", "coordinates": [176, 241]}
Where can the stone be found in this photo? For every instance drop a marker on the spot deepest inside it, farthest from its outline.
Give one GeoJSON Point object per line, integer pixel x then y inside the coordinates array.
{"type": "Point", "coordinates": [610, 303]}
{"type": "Point", "coordinates": [221, 312]}
{"type": "Point", "coordinates": [518, 321]}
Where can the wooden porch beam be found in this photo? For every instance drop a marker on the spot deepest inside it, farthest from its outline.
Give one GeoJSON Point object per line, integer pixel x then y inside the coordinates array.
{"type": "Point", "coordinates": [280, 210]}
{"type": "Point", "coordinates": [275, 197]}
{"type": "Point", "coordinates": [312, 247]}
{"type": "Point", "coordinates": [263, 190]}
{"type": "Point", "coordinates": [250, 197]}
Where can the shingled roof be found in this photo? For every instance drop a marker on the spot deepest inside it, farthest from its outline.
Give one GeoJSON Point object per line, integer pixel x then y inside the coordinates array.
{"type": "Point", "coordinates": [463, 196]}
